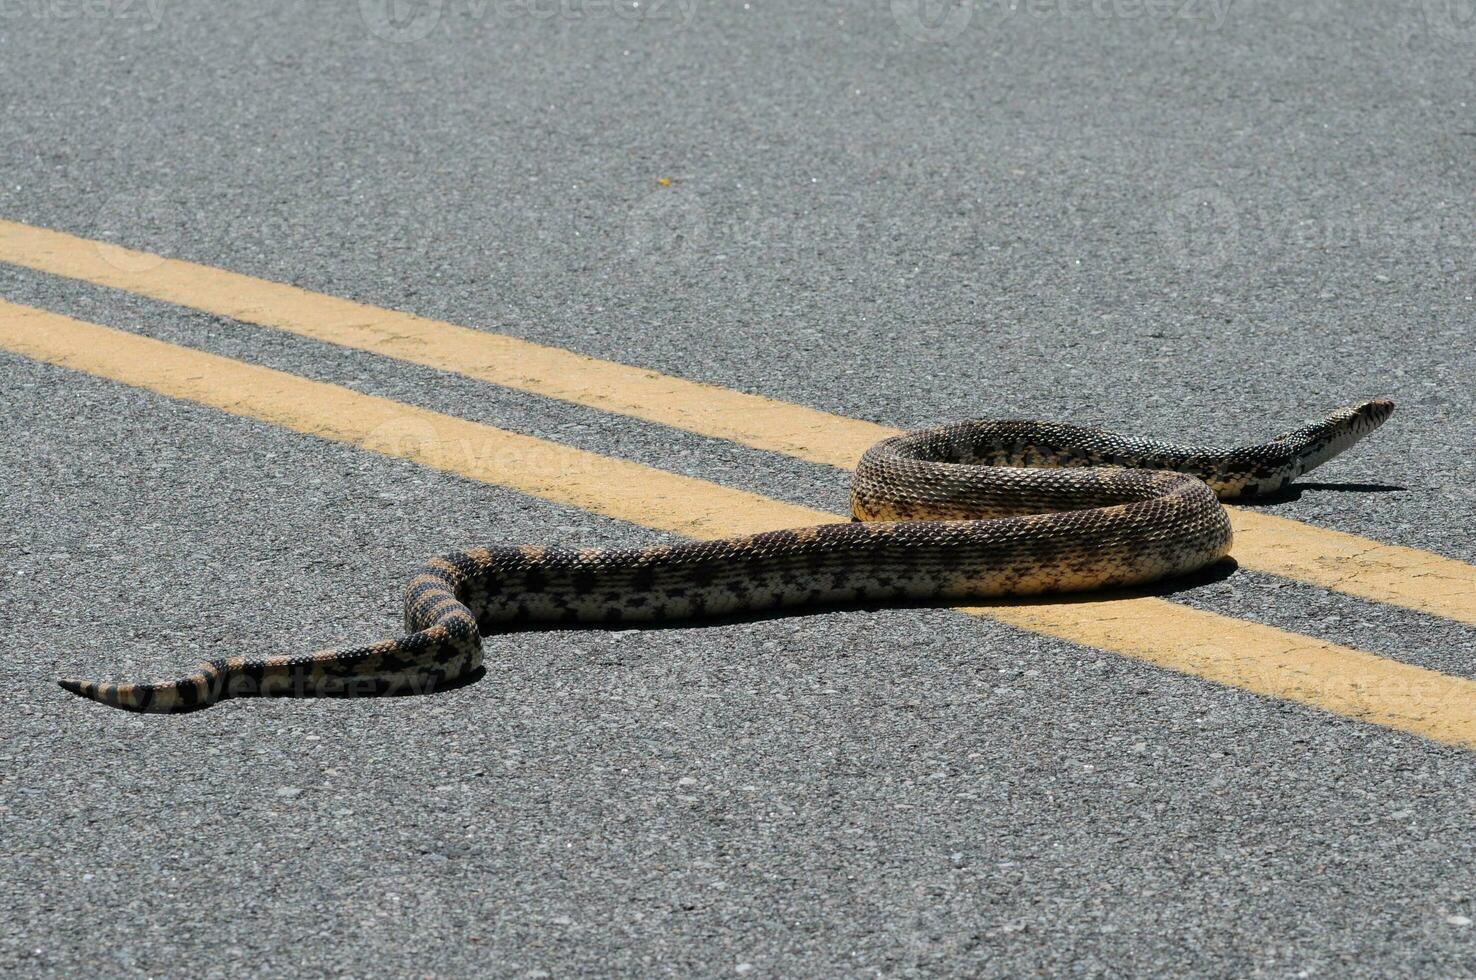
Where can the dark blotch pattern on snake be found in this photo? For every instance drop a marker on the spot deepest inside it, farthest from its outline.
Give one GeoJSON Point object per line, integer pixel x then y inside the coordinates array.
{"type": "Point", "coordinates": [969, 511]}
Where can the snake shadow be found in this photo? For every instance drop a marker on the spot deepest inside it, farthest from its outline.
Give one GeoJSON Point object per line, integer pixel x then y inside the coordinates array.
{"type": "Point", "coordinates": [1295, 491]}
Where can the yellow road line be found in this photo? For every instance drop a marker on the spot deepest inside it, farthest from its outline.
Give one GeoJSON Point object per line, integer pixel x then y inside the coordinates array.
{"type": "Point", "coordinates": [508, 361]}
{"type": "Point", "coordinates": [1348, 563]}
{"type": "Point", "coordinates": [615, 488]}
{"type": "Point", "coordinates": [1265, 660]}
{"type": "Point", "coordinates": [1357, 566]}
{"type": "Point", "coordinates": [1257, 658]}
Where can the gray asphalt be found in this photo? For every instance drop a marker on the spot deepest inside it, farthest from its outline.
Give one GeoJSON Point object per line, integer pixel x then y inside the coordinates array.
{"type": "Point", "coordinates": [1175, 218]}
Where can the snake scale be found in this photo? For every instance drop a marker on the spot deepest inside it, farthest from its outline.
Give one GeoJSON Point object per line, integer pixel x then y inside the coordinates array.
{"type": "Point", "coordinates": [977, 509]}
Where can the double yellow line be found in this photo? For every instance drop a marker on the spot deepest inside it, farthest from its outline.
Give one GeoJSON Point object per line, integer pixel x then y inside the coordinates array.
{"type": "Point", "coordinates": [1247, 655]}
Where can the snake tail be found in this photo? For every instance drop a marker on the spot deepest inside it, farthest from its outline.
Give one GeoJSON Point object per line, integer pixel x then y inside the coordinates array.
{"type": "Point", "coordinates": [442, 645]}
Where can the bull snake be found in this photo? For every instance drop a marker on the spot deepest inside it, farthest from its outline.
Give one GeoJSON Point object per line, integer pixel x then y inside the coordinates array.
{"type": "Point", "coordinates": [975, 510]}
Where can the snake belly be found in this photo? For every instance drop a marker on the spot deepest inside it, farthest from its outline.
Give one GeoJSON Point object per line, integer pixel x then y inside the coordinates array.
{"type": "Point", "coordinates": [973, 510]}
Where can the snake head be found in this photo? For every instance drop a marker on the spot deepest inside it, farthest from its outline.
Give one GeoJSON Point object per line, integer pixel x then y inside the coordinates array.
{"type": "Point", "coordinates": [1355, 421]}
{"type": "Point", "coordinates": [1317, 442]}
{"type": "Point", "coordinates": [1374, 413]}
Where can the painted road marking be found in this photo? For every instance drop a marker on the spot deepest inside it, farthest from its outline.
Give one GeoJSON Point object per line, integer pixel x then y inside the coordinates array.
{"type": "Point", "coordinates": [1251, 656]}
{"type": "Point", "coordinates": [1393, 574]}
{"type": "Point", "coordinates": [508, 361]}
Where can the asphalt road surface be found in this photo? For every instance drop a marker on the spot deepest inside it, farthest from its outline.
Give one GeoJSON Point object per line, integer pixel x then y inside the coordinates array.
{"type": "Point", "coordinates": [1194, 219]}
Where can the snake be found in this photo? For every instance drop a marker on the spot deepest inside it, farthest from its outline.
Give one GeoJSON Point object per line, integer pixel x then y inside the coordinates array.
{"type": "Point", "coordinates": [983, 509]}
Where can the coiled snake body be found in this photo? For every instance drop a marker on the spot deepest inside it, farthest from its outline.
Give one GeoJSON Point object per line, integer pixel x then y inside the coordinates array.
{"type": "Point", "coordinates": [972, 510]}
